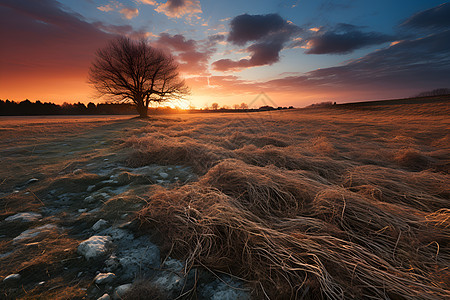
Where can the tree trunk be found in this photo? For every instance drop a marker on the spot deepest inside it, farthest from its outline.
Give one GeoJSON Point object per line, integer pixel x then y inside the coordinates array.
{"type": "Point", "coordinates": [142, 110]}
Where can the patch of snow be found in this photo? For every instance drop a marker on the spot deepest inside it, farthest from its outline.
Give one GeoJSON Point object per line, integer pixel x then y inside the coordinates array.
{"type": "Point", "coordinates": [90, 188]}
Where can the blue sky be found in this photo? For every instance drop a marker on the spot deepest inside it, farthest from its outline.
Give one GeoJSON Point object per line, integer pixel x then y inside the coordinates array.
{"type": "Point", "coordinates": [298, 52]}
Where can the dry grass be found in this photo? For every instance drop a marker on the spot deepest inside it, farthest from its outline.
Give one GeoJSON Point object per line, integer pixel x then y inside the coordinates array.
{"type": "Point", "coordinates": [321, 204]}
{"type": "Point", "coordinates": [42, 258]}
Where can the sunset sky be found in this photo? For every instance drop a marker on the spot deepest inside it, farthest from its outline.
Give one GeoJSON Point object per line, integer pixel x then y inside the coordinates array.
{"type": "Point", "coordinates": [297, 52]}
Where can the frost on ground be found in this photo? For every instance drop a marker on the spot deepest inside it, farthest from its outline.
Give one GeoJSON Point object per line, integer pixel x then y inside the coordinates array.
{"type": "Point", "coordinates": [75, 202]}
{"type": "Point", "coordinates": [315, 203]}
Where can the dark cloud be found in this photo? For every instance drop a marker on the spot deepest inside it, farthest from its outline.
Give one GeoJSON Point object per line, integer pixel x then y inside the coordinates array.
{"type": "Point", "coordinates": [269, 32]}
{"type": "Point", "coordinates": [175, 4]}
{"type": "Point", "coordinates": [127, 30]}
{"type": "Point", "coordinates": [434, 18]}
{"type": "Point", "coordinates": [261, 54]}
{"type": "Point", "coordinates": [216, 38]}
{"type": "Point", "coordinates": [344, 39]}
{"type": "Point", "coordinates": [176, 42]}
{"type": "Point", "coordinates": [179, 8]}
{"type": "Point", "coordinates": [408, 67]}
{"type": "Point", "coordinates": [228, 64]}
{"type": "Point", "coordinates": [245, 28]}
{"type": "Point", "coordinates": [42, 36]}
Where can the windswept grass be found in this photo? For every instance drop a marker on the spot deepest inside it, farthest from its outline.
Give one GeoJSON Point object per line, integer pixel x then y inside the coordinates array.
{"type": "Point", "coordinates": [319, 204]}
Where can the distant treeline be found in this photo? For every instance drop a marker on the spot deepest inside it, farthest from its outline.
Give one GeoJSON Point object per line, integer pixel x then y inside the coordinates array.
{"type": "Point", "coordinates": [28, 108]}
{"type": "Point", "coordinates": [436, 92]}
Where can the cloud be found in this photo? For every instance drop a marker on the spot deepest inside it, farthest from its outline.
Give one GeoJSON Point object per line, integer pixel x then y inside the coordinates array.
{"type": "Point", "coordinates": [129, 13]}
{"type": "Point", "coordinates": [261, 54]}
{"type": "Point", "coordinates": [270, 33]}
{"type": "Point", "coordinates": [245, 28]}
{"type": "Point", "coordinates": [43, 31]}
{"type": "Point", "coordinates": [179, 8]}
{"type": "Point", "coordinates": [149, 2]}
{"type": "Point", "coordinates": [105, 8]}
{"type": "Point", "coordinates": [400, 70]}
{"type": "Point", "coordinates": [343, 39]}
{"type": "Point", "coordinates": [434, 18]}
{"type": "Point", "coordinates": [411, 66]}
{"type": "Point", "coordinates": [192, 55]}
{"type": "Point", "coordinates": [177, 42]}
{"type": "Point", "coordinates": [216, 38]}
{"type": "Point", "coordinates": [48, 48]}
{"type": "Point", "coordinates": [127, 30]}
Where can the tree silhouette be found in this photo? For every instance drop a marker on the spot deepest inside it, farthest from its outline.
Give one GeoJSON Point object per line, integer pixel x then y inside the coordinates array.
{"type": "Point", "coordinates": [215, 106]}
{"type": "Point", "coordinates": [134, 71]}
{"type": "Point", "coordinates": [244, 105]}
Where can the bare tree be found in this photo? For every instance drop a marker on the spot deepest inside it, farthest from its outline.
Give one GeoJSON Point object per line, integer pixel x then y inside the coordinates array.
{"type": "Point", "coordinates": [133, 71]}
{"type": "Point", "coordinates": [215, 106]}
{"type": "Point", "coordinates": [244, 105]}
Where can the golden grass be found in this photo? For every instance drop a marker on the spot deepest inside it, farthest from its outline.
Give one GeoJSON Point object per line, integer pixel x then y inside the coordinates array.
{"type": "Point", "coordinates": [323, 204]}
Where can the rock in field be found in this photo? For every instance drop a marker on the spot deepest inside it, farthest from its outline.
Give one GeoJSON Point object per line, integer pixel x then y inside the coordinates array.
{"type": "Point", "coordinates": [104, 297]}
{"type": "Point", "coordinates": [163, 175]}
{"type": "Point", "coordinates": [24, 217]}
{"type": "Point", "coordinates": [34, 232]}
{"type": "Point", "coordinates": [120, 291]}
{"type": "Point", "coordinates": [103, 278]}
{"type": "Point", "coordinates": [99, 225]}
{"type": "Point", "coordinates": [94, 247]}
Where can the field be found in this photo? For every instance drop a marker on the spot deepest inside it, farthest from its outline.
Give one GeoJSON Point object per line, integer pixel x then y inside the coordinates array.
{"type": "Point", "coordinates": [326, 203]}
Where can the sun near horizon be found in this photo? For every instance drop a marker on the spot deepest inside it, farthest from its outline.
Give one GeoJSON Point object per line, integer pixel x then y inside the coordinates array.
{"type": "Point", "coordinates": [298, 53]}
